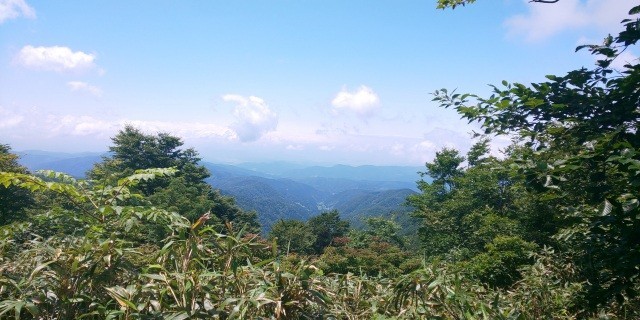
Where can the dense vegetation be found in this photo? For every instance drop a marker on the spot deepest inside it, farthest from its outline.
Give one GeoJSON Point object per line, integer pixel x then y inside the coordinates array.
{"type": "Point", "coordinates": [549, 230]}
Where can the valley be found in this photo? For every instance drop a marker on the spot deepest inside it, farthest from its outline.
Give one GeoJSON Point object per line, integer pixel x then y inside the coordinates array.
{"type": "Point", "coordinates": [281, 190]}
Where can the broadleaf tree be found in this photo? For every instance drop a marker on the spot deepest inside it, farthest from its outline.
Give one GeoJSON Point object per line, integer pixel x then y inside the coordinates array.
{"type": "Point", "coordinates": [468, 214]}
{"type": "Point", "coordinates": [582, 133]}
{"type": "Point", "coordinates": [186, 192]}
{"type": "Point", "coordinates": [326, 226]}
{"type": "Point", "coordinates": [13, 201]}
{"type": "Point", "coordinates": [292, 236]}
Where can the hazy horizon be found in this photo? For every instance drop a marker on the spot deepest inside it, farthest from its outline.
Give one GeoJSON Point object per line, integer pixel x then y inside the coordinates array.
{"type": "Point", "coordinates": [70, 155]}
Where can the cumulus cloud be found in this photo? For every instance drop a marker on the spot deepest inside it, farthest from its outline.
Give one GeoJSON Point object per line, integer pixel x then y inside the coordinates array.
{"type": "Point", "coordinates": [362, 101]}
{"type": "Point", "coordinates": [543, 21]}
{"type": "Point", "coordinates": [83, 86]}
{"type": "Point", "coordinates": [11, 9]}
{"type": "Point", "coordinates": [254, 118]}
{"type": "Point", "coordinates": [55, 58]}
{"type": "Point", "coordinates": [235, 98]}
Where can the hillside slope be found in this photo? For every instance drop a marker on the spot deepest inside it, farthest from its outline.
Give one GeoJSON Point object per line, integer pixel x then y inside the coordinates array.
{"type": "Point", "coordinates": [281, 190]}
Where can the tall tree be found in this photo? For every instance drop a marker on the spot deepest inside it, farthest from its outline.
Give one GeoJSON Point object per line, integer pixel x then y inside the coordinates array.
{"type": "Point", "coordinates": [582, 131]}
{"type": "Point", "coordinates": [292, 236]}
{"type": "Point", "coordinates": [326, 226]}
{"type": "Point", "coordinates": [478, 152]}
{"type": "Point", "coordinates": [443, 170]}
{"type": "Point", "coordinates": [377, 229]}
{"type": "Point", "coordinates": [186, 192]}
{"type": "Point", "coordinates": [484, 210]}
{"type": "Point", "coordinates": [13, 200]}
{"type": "Point", "coordinates": [133, 150]}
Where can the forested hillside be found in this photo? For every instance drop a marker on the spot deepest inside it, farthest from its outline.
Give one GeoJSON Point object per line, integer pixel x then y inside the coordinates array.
{"type": "Point", "coordinates": [284, 198]}
{"type": "Point", "coordinates": [282, 190]}
{"type": "Point", "coordinates": [548, 229]}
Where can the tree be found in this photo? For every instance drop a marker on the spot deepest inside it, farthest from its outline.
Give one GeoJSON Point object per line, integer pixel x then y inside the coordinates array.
{"type": "Point", "coordinates": [499, 265]}
{"type": "Point", "coordinates": [443, 170]}
{"type": "Point", "coordinates": [486, 204]}
{"type": "Point", "coordinates": [377, 229]}
{"type": "Point", "coordinates": [442, 4]}
{"type": "Point", "coordinates": [374, 258]}
{"type": "Point", "coordinates": [478, 152]}
{"type": "Point", "coordinates": [583, 160]}
{"type": "Point", "coordinates": [186, 192]}
{"type": "Point", "coordinates": [13, 201]}
{"type": "Point", "coordinates": [292, 236]}
{"type": "Point", "coordinates": [133, 150]}
{"type": "Point", "coordinates": [325, 227]}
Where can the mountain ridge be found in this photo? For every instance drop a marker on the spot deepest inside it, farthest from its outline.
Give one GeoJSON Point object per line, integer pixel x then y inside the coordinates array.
{"type": "Point", "coordinates": [281, 190]}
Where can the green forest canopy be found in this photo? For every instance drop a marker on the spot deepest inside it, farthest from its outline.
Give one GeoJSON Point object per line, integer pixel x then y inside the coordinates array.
{"type": "Point", "coordinates": [551, 230]}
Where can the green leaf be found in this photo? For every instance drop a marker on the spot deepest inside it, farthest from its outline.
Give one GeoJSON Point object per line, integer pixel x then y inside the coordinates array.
{"type": "Point", "coordinates": [159, 277]}
{"type": "Point", "coordinates": [607, 208]}
{"type": "Point", "coordinates": [119, 293]}
{"type": "Point", "coordinates": [37, 269]}
{"type": "Point", "coordinates": [176, 316]}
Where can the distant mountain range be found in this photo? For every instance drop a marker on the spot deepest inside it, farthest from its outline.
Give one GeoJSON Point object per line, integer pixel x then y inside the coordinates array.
{"type": "Point", "coordinates": [280, 190]}
{"type": "Point", "coordinates": [74, 164]}
{"type": "Point", "coordinates": [302, 193]}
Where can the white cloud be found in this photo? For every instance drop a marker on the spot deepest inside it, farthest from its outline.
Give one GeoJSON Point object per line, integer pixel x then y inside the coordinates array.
{"type": "Point", "coordinates": [54, 125]}
{"type": "Point", "coordinates": [543, 21]}
{"type": "Point", "coordinates": [34, 121]}
{"type": "Point", "coordinates": [235, 98]}
{"type": "Point", "coordinates": [254, 118]}
{"type": "Point", "coordinates": [335, 128]}
{"type": "Point", "coordinates": [83, 86]}
{"type": "Point", "coordinates": [9, 119]}
{"type": "Point", "coordinates": [397, 149]}
{"type": "Point", "coordinates": [362, 101]}
{"type": "Point", "coordinates": [607, 14]}
{"type": "Point", "coordinates": [76, 125]}
{"type": "Point", "coordinates": [624, 58]}
{"type": "Point", "coordinates": [11, 9]}
{"type": "Point", "coordinates": [295, 147]}
{"type": "Point", "coordinates": [326, 148]}
{"type": "Point", "coordinates": [182, 129]}
{"type": "Point", "coordinates": [426, 145]}
{"type": "Point", "coordinates": [55, 58]}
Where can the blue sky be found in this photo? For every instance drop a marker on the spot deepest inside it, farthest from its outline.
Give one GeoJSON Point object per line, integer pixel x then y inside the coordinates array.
{"type": "Point", "coordinates": [318, 81]}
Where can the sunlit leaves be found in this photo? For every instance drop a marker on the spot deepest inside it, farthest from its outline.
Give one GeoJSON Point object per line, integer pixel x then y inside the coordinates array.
{"type": "Point", "coordinates": [584, 165]}
{"type": "Point", "coordinates": [146, 175]}
{"type": "Point", "coordinates": [197, 273]}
